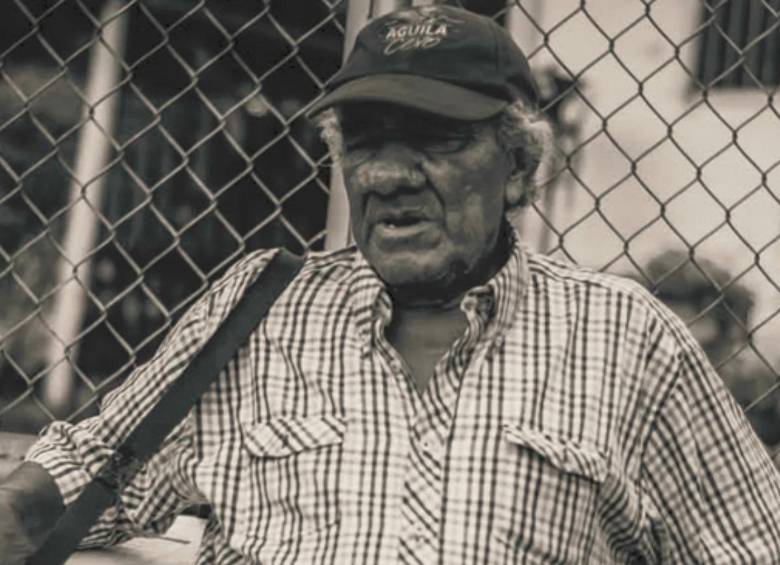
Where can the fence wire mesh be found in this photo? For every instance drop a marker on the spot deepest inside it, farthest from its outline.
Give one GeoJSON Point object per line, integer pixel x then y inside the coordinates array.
{"type": "Point", "coordinates": [146, 144]}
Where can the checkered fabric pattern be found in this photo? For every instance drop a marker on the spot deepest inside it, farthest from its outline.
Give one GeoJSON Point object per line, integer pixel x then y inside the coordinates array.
{"type": "Point", "coordinates": [575, 421]}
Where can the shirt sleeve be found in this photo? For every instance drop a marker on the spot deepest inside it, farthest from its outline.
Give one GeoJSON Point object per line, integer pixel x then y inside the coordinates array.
{"type": "Point", "coordinates": [713, 487]}
{"type": "Point", "coordinates": [73, 453]}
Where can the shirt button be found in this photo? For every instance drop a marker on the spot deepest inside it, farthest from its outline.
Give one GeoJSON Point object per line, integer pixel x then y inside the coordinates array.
{"type": "Point", "coordinates": [395, 365]}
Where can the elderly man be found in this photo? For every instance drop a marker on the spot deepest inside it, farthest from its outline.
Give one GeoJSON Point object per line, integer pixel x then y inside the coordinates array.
{"type": "Point", "coordinates": [437, 394]}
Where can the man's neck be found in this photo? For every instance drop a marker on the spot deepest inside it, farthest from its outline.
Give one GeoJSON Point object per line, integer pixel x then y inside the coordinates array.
{"type": "Point", "coordinates": [427, 319]}
{"type": "Point", "coordinates": [422, 336]}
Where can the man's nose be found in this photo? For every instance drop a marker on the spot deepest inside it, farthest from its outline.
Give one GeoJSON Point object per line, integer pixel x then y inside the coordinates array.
{"type": "Point", "coordinates": [394, 166]}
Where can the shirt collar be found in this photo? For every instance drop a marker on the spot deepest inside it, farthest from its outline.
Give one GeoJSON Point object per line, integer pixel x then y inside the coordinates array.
{"type": "Point", "coordinates": [497, 300]}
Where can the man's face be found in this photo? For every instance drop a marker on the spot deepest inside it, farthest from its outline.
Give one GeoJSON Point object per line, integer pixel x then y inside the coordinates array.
{"type": "Point", "coordinates": [426, 195]}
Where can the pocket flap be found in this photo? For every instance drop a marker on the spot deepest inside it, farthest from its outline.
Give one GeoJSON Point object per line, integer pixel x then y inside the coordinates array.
{"type": "Point", "coordinates": [285, 436]}
{"type": "Point", "coordinates": [567, 455]}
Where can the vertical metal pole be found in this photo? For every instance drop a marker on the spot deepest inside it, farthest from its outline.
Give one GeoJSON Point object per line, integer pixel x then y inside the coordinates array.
{"type": "Point", "coordinates": [337, 224]}
{"type": "Point", "coordinates": [520, 27]}
{"type": "Point", "coordinates": [86, 191]}
{"type": "Point", "coordinates": [337, 232]}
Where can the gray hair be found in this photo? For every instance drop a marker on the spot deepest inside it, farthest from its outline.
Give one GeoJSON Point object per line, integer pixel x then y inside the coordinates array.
{"type": "Point", "coordinates": [527, 134]}
{"type": "Point", "coordinates": [523, 132]}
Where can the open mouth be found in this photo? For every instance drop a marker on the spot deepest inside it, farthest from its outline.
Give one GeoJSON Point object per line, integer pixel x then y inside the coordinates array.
{"type": "Point", "coordinates": [401, 227]}
{"type": "Point", "coordinates": [396, 223]}
{"type": "Point", "coordinates": [400, 217]}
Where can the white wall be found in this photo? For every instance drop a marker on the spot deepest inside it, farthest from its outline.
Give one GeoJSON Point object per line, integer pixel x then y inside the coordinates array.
{"type": "Point", "coordinates": [627, 152]}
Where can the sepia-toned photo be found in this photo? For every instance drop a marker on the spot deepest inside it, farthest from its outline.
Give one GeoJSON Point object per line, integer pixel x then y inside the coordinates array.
{"type": "Point", "coordinates": [389, 281]}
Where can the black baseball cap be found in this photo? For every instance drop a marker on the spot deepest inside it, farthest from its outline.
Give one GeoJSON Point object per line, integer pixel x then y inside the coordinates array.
{"type": "Point", "coordinates": [438, 59]}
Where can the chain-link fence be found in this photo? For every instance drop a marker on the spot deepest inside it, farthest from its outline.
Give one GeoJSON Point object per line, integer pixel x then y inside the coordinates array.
{"type": "Point", "coordinates": [146, 144]}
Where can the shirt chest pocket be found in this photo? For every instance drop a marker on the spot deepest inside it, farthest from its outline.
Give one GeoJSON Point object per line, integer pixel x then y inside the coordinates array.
{"type": "Point", "coordinates": [289, 479]}
{"type": "Point", "coordinates": [549, 497]}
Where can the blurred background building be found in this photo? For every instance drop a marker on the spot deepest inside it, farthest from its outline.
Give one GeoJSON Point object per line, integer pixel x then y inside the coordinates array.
{"type": "Point", "coordinates": [146, 144]}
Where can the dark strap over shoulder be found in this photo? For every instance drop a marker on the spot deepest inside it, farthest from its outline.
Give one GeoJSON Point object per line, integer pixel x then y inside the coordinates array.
{"type": "Point", "coordinates": [173, 406]}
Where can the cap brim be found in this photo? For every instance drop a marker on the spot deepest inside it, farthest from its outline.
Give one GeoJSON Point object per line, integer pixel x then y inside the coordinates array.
{"type": "Point", "coordinates": [416, 92]}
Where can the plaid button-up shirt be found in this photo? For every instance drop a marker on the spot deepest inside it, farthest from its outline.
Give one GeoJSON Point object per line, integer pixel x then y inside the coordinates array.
{"type": "Point", "coordinates": [575, 421]}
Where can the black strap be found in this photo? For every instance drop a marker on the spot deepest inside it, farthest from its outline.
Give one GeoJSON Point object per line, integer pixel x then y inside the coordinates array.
{"type": "Point", "coordinates": [173, 406]}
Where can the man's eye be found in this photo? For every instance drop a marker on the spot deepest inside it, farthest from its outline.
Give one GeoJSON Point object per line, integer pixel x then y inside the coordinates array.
{"type": "Point", "coordinates": [358, 141]}
{"type": "Point", "coordinates": [434, 142]}
{"type": "Point", "coordinates": [448, 143]}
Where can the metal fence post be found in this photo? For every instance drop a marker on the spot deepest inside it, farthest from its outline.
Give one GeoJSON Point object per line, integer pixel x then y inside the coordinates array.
{"type": "Point", "coordinates": [337, 223]}
{"type": "Point", "coordinates": [86, 191]}
{"type": "Point", "coordinates": [337, 226]}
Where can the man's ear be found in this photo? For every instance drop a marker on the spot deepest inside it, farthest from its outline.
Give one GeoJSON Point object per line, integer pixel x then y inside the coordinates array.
{"type": "Point", "coordinates": [515, 188]}
{"type": "Point", "coordinates": [516, 182]}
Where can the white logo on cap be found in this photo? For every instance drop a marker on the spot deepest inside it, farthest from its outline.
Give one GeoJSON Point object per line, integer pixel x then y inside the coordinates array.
{"type": "Point", "coordinates": [419, 28]}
